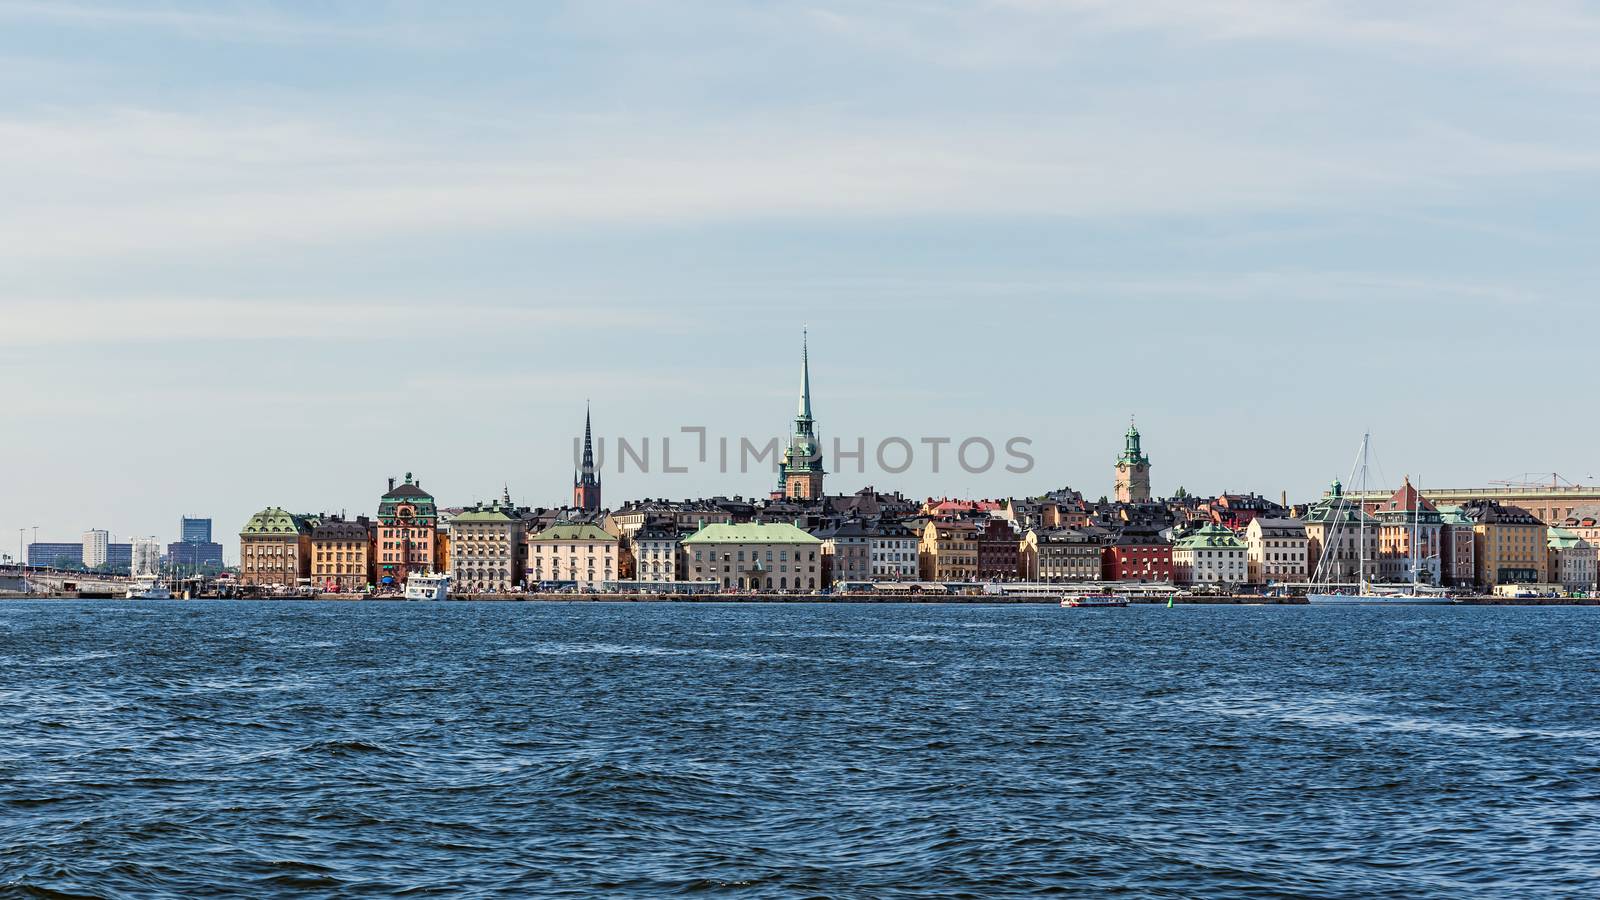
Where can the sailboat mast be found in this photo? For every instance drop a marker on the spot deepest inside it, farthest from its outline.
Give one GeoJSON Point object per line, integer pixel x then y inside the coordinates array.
{"type": "Point", "coordinates": [1361, 517]}
{"type": "Point", "coordinates": [1416, 529]}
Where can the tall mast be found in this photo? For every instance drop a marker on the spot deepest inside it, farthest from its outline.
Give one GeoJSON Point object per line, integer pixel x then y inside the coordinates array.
{"type": "Point", "coordinates": [1361, 518]}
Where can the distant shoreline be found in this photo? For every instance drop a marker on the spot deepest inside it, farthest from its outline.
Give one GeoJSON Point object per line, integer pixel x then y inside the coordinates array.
{"type": "Point", "coordinates": [782, 599]}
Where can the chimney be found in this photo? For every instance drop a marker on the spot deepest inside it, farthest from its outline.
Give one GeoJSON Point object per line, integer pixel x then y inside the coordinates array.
{"type": "Point", "coordinates": [1284, 497]}
{"type": "Point", "coordinates": [391, 482]}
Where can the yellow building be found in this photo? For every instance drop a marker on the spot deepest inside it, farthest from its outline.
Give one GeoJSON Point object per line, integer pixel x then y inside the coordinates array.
{"type": "Point", "coordinates": [949, 550]}
{"type": "Point", "coordinates": [341, 555]}
{"type": "Point", "coordinates": [1510, 544]}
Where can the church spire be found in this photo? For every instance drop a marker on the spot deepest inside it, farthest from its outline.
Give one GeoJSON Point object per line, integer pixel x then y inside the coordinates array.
{"type": "Point", "coordinates": [805, 377]}
{"type": "Point", "coordinates": [586, 481]}
{"type": "Point", "coordinates": [588, 442]}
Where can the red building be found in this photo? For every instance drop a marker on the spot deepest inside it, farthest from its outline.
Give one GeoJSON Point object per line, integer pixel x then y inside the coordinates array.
{"type": "Point", "coordinates": [999, 551]}
{"type": "Point", "coordinates": [1137, 555]}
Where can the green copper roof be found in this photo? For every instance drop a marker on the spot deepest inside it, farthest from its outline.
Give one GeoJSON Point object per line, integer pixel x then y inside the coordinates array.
{"type": "Point", "coordinates": [1211, 537]}
{"type": "Point", "coordinates": [752, 533]}
{"type": "Point", "coordinates": [275, 520]}
{"type": "Point", "coordinates": [492, 513]}
{"type": "Point", "coordinates": [573, 533]}
{"type": "Point", "coordinates": [1562, 539]}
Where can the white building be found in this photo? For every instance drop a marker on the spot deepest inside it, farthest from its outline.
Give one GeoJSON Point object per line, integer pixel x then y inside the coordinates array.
{"type": "Point", "coordinates": [773, 557]}
{"type": "Point", "coordinates": [1573, 561]}
{"type": "Point", "coordinates": [655, 553]}
{"type": "Point", "coordinates": [586, 554]}
{"type": "Point", "coordinates": [96, 547]}
{"type": "Point", "coordinates": [146, 556]}
{"type": "Point", "coordinates": [1277, 550]}
{"type": "Point", "coordinates": [1212, 555]}
{"type": "Point", "coordinates": [893, 554]}
{"type": "Point", "coordinates": [485, 547]}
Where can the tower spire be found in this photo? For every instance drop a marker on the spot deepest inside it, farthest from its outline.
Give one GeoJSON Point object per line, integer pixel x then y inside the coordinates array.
{"type": "Point", "coordinates": [588, 441]}
{"type": "Point", "coordinates": [805, 375]}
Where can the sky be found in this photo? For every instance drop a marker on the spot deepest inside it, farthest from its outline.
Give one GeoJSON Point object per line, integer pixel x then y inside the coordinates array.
{"type": "Point", "coordinates": [269, 254]}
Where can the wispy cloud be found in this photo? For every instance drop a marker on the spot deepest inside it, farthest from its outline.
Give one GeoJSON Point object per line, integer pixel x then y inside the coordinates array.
{"type": "Point", "coordinates": [51, 323]}
{"type": "Point", "coordinates": [214, 22]}
{"type": "Point", "coordinates": [132, 182]}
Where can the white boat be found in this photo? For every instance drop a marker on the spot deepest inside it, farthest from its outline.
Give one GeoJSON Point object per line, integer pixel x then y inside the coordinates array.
{"type": "Point", "coordinates": [148, 589]}
{"type": "Point", "coordinates": [428, 587]}
{"type": "Point", "coordinates": [1095, 601]}
{"type": "Point", "coordinates": [1363, 592]}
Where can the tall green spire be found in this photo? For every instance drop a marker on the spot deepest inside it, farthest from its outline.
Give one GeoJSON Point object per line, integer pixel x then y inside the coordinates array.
{"type": "Point", "coordinates": [805, 378]}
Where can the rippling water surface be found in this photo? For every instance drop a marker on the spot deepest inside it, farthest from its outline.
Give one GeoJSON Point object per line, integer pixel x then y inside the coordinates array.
{"type": "Point", "coordinates": [852, 751]}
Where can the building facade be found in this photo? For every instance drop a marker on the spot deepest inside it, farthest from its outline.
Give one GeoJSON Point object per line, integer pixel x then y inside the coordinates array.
{"type": "Point", "coordinates": [96, 548]}
{"type": "Point", "coordinates": [56, 555]}
{"type": "Point", "coordinates": [949, 550]}
{"type": "Point", "coordinates": [846, 553]}
{"type": "Point", "coordinates": [275, 549]}
{"type": "Point", "coordinates": [1060, 555]}
{"type": "Point", "coordinates": [586, 555]}
{"type": "Point", "coordinates": [894, 552]}
{"type": "Point", "coordinates": [1137, 554]}
{"type": "Point", "coordinates": [1212, 555]}
{"type": "Point", "coordinates": [656, 555]}
{"type": "Point", "coordinates": [486, 549]}
{"type": "Point", "coordinates": [1278, 551]}
{"type": "Point", "coordinates": [1339, 536]}
{"type": "Point", "coordinates": [341, 554]}
{"type": "Point", "coordinates": [999, 551]}
{"type": "Point", "coordinates": [767, 557]}
{"type": "Point", "coordinates": [1510, 544]}
{"type": "Point", "coordinates": [1571, 561]}
{"type": "Point", "coordinates": [408, 522]}
{"type": "Point", "coordinates": [1133, 470]}
{"type": "Point", "coordinates": [194, 530]}
{"type": "Point", "coordinates": [1457, 548]}
{"type": "Point", "coordinates": [1409, 538]}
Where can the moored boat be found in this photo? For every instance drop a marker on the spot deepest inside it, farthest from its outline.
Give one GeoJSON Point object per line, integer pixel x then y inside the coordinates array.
{"type": "Point", "coordinates": [428, 587]}
{"type": "Point", "coordinates": [1097, 601]}
{"type": "Point", "coordinates": [147, 589]}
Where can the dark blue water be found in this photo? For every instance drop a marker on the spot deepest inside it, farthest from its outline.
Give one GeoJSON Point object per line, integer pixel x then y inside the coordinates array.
{"type": "Point", "coordinates": [850, 751]}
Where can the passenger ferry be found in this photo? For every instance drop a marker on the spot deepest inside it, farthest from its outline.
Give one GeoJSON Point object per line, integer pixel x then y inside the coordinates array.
{"type": "Point", "coordinates": [147, 589]}
{"type": "Point", "coordinates": [428, 587]}
{"type": "Point", "coordinates": [1097, 601]}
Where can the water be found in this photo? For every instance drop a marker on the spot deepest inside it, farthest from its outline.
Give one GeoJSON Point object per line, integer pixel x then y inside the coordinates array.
{"type": "Point", "coordinates": [352, 749]}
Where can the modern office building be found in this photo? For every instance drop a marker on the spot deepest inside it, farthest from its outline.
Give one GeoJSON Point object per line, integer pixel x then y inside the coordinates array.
{"type": "Point", "coordinates": [194, 530]}
{"type": "Point", "coordinates": [55, 555]}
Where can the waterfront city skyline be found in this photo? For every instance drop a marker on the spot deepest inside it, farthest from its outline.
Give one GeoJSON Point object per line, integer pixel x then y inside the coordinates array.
{"type": "Point", "coordinates": [268, 254]}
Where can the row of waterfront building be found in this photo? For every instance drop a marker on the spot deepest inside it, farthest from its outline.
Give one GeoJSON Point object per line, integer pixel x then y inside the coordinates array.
{"type": "Point", "coordinates": [801, 539]}
{"type": "Point", "coordinates": [803, 545]}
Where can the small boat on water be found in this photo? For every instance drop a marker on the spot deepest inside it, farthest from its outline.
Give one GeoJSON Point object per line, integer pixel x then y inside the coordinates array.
{"type": "Point", "coordinates": [147, 589]}
{"type": "Point", "coordinates": [1096, 601]}
{"type": "Point", "coordinates": [428, 587]}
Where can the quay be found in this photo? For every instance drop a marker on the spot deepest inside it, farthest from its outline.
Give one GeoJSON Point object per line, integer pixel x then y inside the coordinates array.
{"type": "Point", "coordinates": [943, 599]}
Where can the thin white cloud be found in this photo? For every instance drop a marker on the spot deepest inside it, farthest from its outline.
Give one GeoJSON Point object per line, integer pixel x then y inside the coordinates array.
{"type": "Point", "coordinates": [135, 183]}
{"type": "Point", "coordinates": [205, 22]}
{"type": "Point", "coordinates": [1540, 35]}
{"type": "Point", "coordinates": [40, 323]}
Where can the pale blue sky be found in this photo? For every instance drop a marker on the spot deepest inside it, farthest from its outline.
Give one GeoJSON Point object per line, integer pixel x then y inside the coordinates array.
{"type": "Point", "coordinates": [271, 253]}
